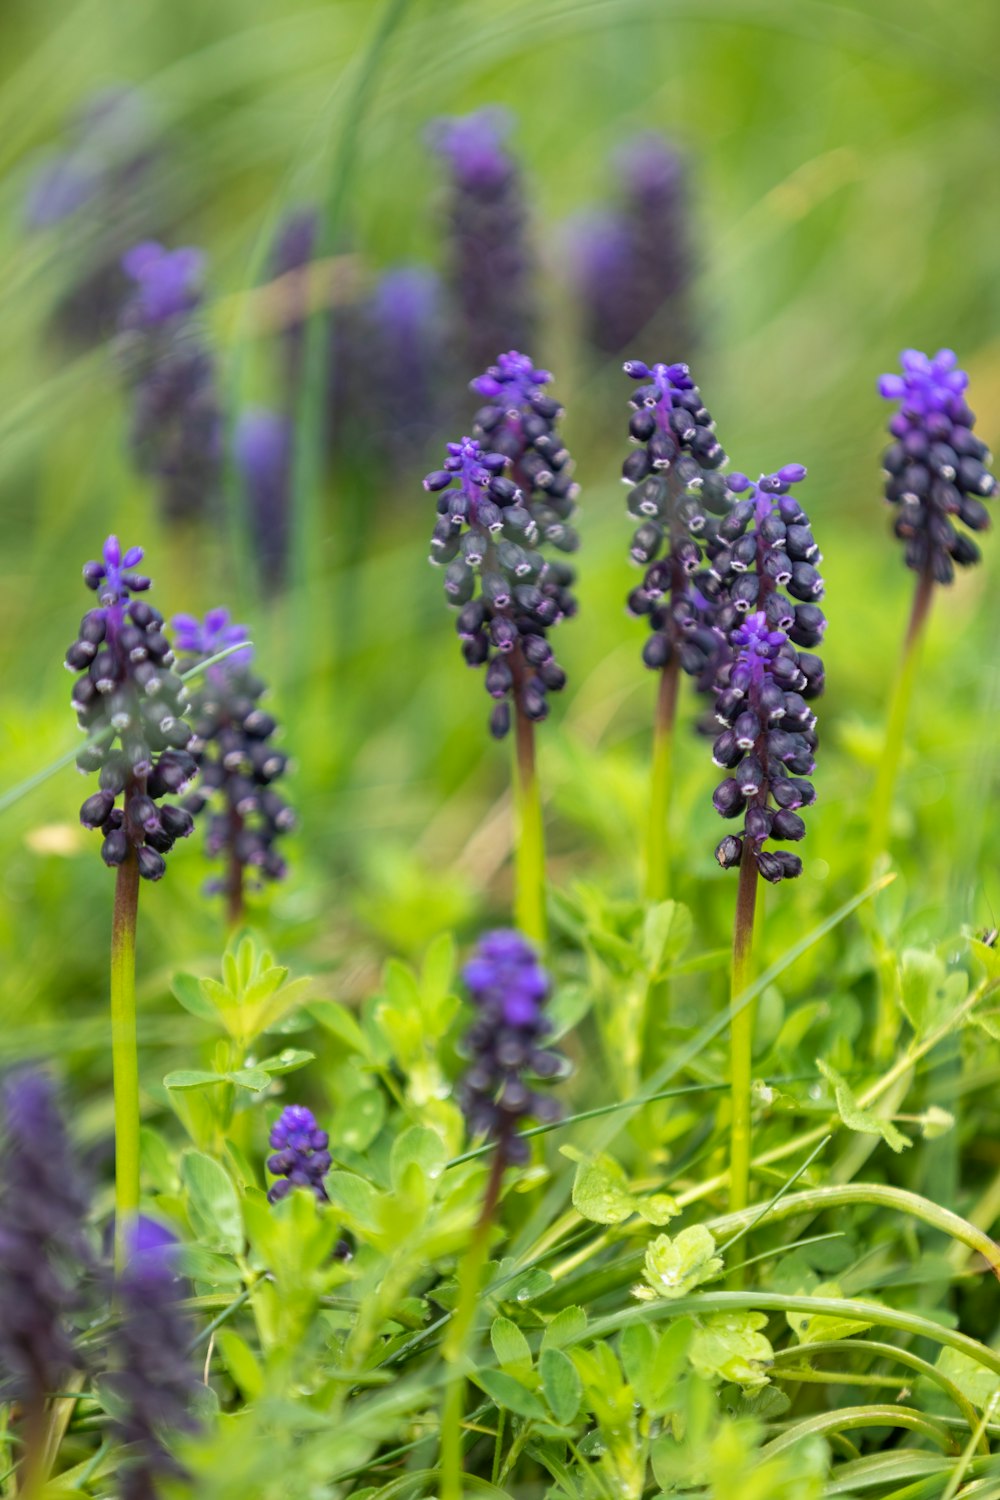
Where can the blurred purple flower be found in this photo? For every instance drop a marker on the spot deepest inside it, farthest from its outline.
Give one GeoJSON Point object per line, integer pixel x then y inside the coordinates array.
{"type": "Point", "coordinates": [301, 1155]}
{"type": "Point", "coordinates": [262, 448]}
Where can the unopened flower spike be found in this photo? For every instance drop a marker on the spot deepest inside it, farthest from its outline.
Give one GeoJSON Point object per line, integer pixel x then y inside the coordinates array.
{"type": "Point", "coordinates": [301, 1153]}
{"type": "Point", "coordinates": [491, 265]}
{"type": "Point", "coordinates": [176, 411]}
{"type": "Point", "coordinates": [937, 470]}
{"type": "Point", "coordinates": [506, 1044]}
{"type": "Point", "coordinates": [132, 704]}
{"type": "Point", "coordinates": [677, 494]}
{"type": "Point", "coordinates": [238, 763]}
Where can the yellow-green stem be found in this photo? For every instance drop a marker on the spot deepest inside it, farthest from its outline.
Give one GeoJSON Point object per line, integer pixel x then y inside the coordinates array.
{"type": "Point", "coordinates": [741, 1050]}
{"type": "Point", "coordinates": [657, 873]}
{"type": "Point", "coordinates": [529, 834]}
{"type": "Point", "coordinates": [455, 1343]}
{"type": "Point", "coordinates": [124, 1053]}
{"type": "Point", "coordinates": [895, 731]}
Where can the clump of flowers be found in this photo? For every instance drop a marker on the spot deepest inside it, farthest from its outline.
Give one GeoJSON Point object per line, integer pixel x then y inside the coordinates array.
{"type": "Point", "coordinates": [765, 545]}
{"type": "Point", "coordinates": [237, 762]}
{"type": "Point", "coordinates": [176, 413]}
{"type": "Point", "coordinates": [132, 704]}
{"type": "Point", "coordinates": [937, 470]}
{"type": "Point", "coordinates": [633, 264]}
{"type": "Point", "coordinates": [151, 1347]}
{"type": "Point", "coordinates": [43, 1242]}
{"type": "Point", "coordinates": [500, 494]}
{"type": "Point", "coordinates": [301, 1155]}
{"type": "Point", "coordinates": [505, 1044]}
{"type": "Point", "coordinates": [491, 265]}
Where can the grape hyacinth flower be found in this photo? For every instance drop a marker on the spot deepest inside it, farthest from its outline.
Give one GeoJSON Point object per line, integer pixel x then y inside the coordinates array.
{"type": "Point", "coordinates": [506, 1049]}
{"type": "Point", "coordinates": [763, 557]}
{"type": "Point", "coordinates": [262, 448]}
{"type": "Point", "coordinates": [176, 413]}
{"type": "Point", "coordinates": [301, 1156]}
{"type": "Point", "coordinates": [633, 265]}
{"type": "Point", "coordinates": [294, 248]}
{"type": "Point", "coordinates": [491, 265]}
{"type": "Point", "coordinates": [677, 495]}
{"type": "Point", "coordinates": [237, 762]}
{"type": "Point", "coordinates": [404, 314]}
{"type": "Point", "coordinates": [509, 988]}
{"type": "Point", "coordinates": [132, 704]}
{"type": "Point", "coordinates": [158, 1382]}
{"type": "Point", "coordinates": [44, 1252]}
{"type": "Point", "coordinates": [501, 495]}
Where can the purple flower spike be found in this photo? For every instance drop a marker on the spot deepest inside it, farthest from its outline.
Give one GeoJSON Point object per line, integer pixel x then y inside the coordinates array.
{"type": "Point", "coordinates": [301, 1155]}
{"type": "Point", "coordinates": [491, 265]}
{"type": "Point", "coordinates": [132, 704]}
{"type": "Point", "coordinates": [489, 530]}
{"type": "Point", "coordinates": [509, 988]}
{"type": "Point", "coordinates": [263, 452]}
{"type": "Point", "coordinates": [176, 416]}
{"type": "Point", "coordinates": [937, 470]}
{"type": "Point", "coordinates": [763, 552]}
{"type": "Point", "coordinates": [238, 763]}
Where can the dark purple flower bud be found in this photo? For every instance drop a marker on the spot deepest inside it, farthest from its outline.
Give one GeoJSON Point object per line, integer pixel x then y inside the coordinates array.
{"type": "Point", "coordinates": [509, 988]}
{"type": "Point", "coordinates": [934, 427]}
{"type": "Point", "coordinates": [301, 1156]}
{"type": "Point", "coordinates": [235, 758]}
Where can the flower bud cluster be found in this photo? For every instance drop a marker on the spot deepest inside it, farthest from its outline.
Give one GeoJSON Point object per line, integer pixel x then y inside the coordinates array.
{"type": "Point", "coordinates": [937, 470]}
{"type": "Point", "coordinates": [132, 704]}
{"type": "Point", "coordinates": [491, 264]}
{"type": "Point", "coordinates": [301, 1155]}
{"type": "Point", "coordinates": [237, 762]}
{"type": "Point", "coordinates": [677, 496]}
{"type": "Point", "coordinates": [505, 1043]}
{"type": "Point", "coordinates": [768, 741]}
{"type": "Point", "coordinates": [501, 495]}
{"type": "Point", "coordinates": [176, 413]}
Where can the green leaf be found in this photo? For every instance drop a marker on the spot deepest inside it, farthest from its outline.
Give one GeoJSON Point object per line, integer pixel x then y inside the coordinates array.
{"type": "Point", "coordinates": [935, 1122]}
{"type": "Point", "coordinates": [666, 932]}
{"type": "Point", "coordinates": [506, 1392]}
{"type": "Point", "coordinates": [356, 1199]}
{"type": "Point", "coordinates": [358, 1119]}
{"type": "Point", "coordinates": [975, 1382]}
{"type": "Point", "coordinates": [865, 1121]}
{"type": "Point", "coordinates": [675, 1265]}
{"type": "Point", "coordinates": [336, 1018]}
{"type": "Point", "coordinates": [658, 1209]}
{"type": "Point", "coordinates": [204, 1265]}
{"type": "Point", "coordinates": [213, 1203]}
{"type": "Point", "coordinates": [730, 1346]}
{"type": "Point", "coordinates": [190, 992]}
{"type": "Point", "coordinates": [510, 1346]}
{"type": "Point", "coordinates": [420, 1147]}
{"type": "Point", "coordinates": [192, 1078]}
{"type": "Point", "coordinates": [813, 1328]}
{"type": "Point", "coordinates": [568, 1325]}
{"type": "Point", "coordinates": [561, 1384]}
{"type": "Point", "coordinates": [928, 993]}
{"type": "Point", "coordinates": [242, 1363]}
{"type": "Point", "coordinates": [614, 952]}
{"type": "Point", "coordinates": [600, 1189]}
{"type": "Point", "coordinates": [254, 1079]}
{"type": "Point", "coordinates": [288, 1061]}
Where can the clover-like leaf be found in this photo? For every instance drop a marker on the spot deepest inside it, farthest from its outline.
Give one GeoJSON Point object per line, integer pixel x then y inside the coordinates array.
{"type": "Point", "coordinates": [730, 1346]}
{"type": "Point", "coordinates": [865, 1121]}
{"type": "Point", "coordinates": [676, 1264]}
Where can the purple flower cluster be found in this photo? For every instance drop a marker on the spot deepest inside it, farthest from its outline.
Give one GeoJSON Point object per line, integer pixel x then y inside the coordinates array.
{"type": "Point", "coordinates": [262, 448]}
{"type": "Point", "coordinates": [505, 1042]}
{"type": "Point", "coordinates": [937, 470]}
{"type": "Point", "coordinates": [501, 494]}
{"type": "Point", "coordinates": [763, 552]}
{"type": "Point", "coordinates": [43, 1244]}
{"type": "Point", "coordinates": [131, 703]}
{"type": "Point", "coordinates": [491, 264]}
{"type": "Point", "coordinates": [156, 1380]}
{"type": "Point", "coordinates": [176, 414]}
{"type": "Point", "coordinates": [237, 762]}
{"type": "Point", "coordinates": [301, 1155]}
{"type": "Point", "coordinates": [676, 495]}
{"type": "Point", "coordinates": [633, 265]}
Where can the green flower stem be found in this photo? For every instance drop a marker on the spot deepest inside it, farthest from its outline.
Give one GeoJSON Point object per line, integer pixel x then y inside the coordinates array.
{"type": "Point", "coordinates": [741, 1043]}
{"type": "Point", "coordinates": [234, 876]}
{"type": "Point", "coordinates": [124, 1052]}
{"type": "Point", "coordinates": [849, 1417]}
{"type": "Point", "coordinates": [657, 873]}
{"type": "Point", "coordinates": [899, 709]}
{"type": "Point", "coordinates": [529, 828]}
{"type": "Point", "coordinates": [457, 1338]}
